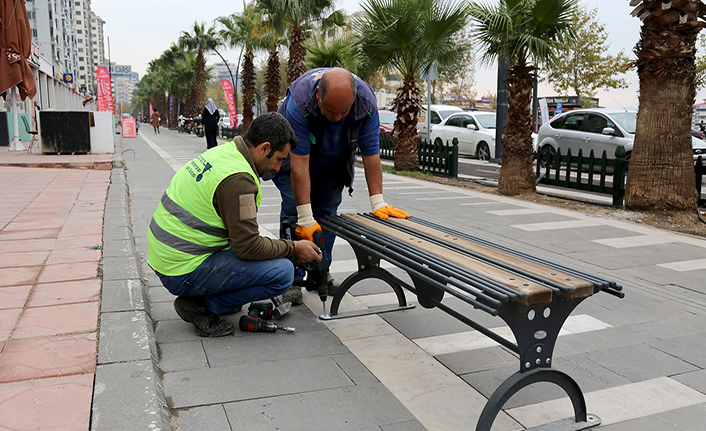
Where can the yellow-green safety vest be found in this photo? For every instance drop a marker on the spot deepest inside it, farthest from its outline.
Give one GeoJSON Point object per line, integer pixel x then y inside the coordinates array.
{"type": "Point", "coordinates": [185, 228]}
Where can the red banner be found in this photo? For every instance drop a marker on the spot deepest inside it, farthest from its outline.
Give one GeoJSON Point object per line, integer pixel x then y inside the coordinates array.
{"type": "Point", "coordinates": [105, 94]}
{"type": "Point", "coordinates": [230, 99]}
{"type": "Point", "coordinates": [129, 128]}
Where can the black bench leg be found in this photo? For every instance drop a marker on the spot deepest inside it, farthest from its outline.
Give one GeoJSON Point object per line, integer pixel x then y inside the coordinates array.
{"type": "Point", "coordinates": [370, 272]}
{"type": "Point", "coordinates": [520, 380]}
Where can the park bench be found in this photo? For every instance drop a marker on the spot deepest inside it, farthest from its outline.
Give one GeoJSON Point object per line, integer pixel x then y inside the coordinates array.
{"type": "Point", "coordinates": [533, 296]}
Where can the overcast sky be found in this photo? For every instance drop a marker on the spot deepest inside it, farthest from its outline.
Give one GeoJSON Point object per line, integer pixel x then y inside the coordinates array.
{"type": "Point", "coordinates": [139, 31]}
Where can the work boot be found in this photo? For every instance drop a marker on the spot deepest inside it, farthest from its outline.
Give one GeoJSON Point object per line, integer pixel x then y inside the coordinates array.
{"type": "Point", "coordinates": [193, 310]}
{"type": "Point", "coordinates": [293, 295]}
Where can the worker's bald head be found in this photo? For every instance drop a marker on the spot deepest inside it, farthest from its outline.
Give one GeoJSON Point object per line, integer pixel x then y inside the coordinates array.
{"type": "Point", "coordinates": [336, 93]}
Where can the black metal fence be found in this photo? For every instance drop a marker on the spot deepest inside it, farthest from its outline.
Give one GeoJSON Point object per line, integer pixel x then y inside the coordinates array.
{"type": "Point", "coordinates": [590, 173]}
{"type": "Point", "coordinates": [437, 159]}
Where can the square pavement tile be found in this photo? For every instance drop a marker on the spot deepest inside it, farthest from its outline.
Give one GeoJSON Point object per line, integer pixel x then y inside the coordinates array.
{"type": "Point", "coordinates": [29, 258]}
{"type": "Point", "coordinates": [74, 231]}
{"type": "Point", "coordinates": [85, 241]}
{"type": "Point", "coordinates": [66, 292]}
{"type": "Point", "coordinates": [18, 276]}
{"type": "Point", "coordinates": [58, 319]}
{"type": "Point", "coordinates": [74, 255]}
{"type": "Point", "coordinates": [42, 357]}
{"type": "Point", "coordinates": [62, 403]}
{"type": "Point", "coordinates": [14, 296]}
{"type": "Point", "coordinates": [68, 272]}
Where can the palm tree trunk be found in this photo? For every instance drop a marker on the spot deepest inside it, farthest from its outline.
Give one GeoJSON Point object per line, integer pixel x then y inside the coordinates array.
{"type": "Point", "coordinates": [661, 175]}
{"type": "Point", "coordinates": [248, 86]}
{"type": "Point", "coordinates": [273, 81]}
{"type": "Point", "coordinates": [406, 104]}
{"type": "Point", "coordinates": [197, 97]}
{"type": "Point", "coordinates": [297, 53]}
{"type": "Point", "coordinates": [516, 173]}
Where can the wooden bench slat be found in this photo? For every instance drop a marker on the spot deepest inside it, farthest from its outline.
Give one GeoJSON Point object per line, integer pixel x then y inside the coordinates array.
{"type": "Point", "coordinates": [535, 294]}
{"type": "Point", "coordinates": [579, 288]}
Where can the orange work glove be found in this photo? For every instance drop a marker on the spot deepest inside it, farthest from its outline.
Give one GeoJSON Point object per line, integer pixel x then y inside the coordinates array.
{"type": "Point", "coordinates": [307, 232]}
{"type": "Point", "coordinates": [388, 211]}
{"type": "Point", "coordinates": [306, 225]}
{"type": "Point", "coordinates": [383, 210]}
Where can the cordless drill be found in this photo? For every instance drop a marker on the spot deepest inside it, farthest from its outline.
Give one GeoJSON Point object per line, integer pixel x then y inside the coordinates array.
{"type": "Point", "coordinates": [317, 271]}
{"type": "Point", "coordinates": [256, 324]}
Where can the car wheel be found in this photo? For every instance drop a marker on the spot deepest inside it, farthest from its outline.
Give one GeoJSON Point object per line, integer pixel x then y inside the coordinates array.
{"type": "Point", "coordinates": [483, 152]}
{"type": "Point", "coordinates": [547, 152]}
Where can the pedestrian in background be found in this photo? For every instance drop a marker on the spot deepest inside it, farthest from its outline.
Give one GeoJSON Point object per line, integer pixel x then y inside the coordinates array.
{"type": "Point", "coordinates": [156, 119]}
{"type": "Point", "coordinates": [209, 119]}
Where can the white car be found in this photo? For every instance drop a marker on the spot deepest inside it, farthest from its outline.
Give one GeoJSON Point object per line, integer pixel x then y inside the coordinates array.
{"type": "Point", "coordinates": [475, 132]}
{"type": "Point", "coordinates": [597, 129]}
{"type": "Point", "coordinates": [438, 114]}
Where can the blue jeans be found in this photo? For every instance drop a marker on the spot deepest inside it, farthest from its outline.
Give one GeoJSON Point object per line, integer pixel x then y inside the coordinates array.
{"type": "Point", "coordinates": [326, 196]}
{"type": "Point", "coordinates": [226, 281]}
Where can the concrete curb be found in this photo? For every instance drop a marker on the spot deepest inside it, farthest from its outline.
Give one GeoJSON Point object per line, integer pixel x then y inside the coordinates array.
{"type": "Point", "coordinates": [128, 384]}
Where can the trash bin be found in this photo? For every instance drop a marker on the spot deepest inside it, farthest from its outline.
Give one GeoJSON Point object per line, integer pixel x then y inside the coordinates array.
{"type": "Point", "coordinates": [65, 132]}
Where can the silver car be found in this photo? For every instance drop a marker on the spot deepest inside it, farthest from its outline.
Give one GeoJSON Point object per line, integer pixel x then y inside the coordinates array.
{"type": "Point", "coordinates": [597, 129]}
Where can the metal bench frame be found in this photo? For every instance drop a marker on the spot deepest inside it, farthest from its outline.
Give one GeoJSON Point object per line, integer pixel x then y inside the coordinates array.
{"type": "Point", "coordinates": [536, 327]}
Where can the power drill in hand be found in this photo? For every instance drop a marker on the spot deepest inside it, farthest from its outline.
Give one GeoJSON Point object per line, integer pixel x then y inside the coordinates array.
{"type": "Point", "coordinates": [317, 271]}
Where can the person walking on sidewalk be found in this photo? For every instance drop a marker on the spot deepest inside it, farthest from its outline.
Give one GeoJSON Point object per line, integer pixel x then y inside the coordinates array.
{"type": "Point", "coordinates": [333, 113]}
{"type": "Point", "coordinates": [156, 120]}
{"type": "Point", "coordinates": [210, 118]}
{"type": "Point", "coordinates": [203, 240]}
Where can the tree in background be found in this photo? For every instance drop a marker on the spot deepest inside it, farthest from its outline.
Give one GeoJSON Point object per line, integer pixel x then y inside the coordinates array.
{"type": "Point", "coordinates": [527, 33]}
{"type": "Point", "coordinates": [335, 52]}
{"type": "Point", "coordinates": [274, 26]}
{"type": "Point", "coordinates": [458, 79]}
{"type": "Point", "coordinates": [200, 40]}
{"type": "Point", "coordinates": [700, 79]}
{"type": "Point", "coordinates": [661, 175]}
{"type": "Point", "coordinates": [582, 64]}
{"type": "Point", "coordinates": [407, 36]}
{"type": "Point", "coordinates": [245, 30]}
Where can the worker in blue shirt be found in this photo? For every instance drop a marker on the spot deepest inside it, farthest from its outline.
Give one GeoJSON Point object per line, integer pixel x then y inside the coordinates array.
{"type": "Point", "coordinates": [333, 113]}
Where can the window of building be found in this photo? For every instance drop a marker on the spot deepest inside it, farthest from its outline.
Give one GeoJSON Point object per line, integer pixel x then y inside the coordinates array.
{"type": "Point", "coordinates": [80, 41]}
{"type": "Point", "coordinates": [79, 31]}
{"type": "Point", "coordinates": [80, 59]}
{"type": "Point", "coordinates": [78, 21]}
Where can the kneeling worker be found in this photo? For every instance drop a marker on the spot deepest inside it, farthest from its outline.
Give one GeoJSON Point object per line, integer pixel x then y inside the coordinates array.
{"type": "Point", "coordinates": [203, 240]}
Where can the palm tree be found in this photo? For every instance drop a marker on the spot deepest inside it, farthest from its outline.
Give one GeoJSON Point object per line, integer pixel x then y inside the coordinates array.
{"type": "Point", "coordinates": [300, 16]}
{"type": "Point", "coordinates": [201, 39]}
{"type": "Point", "coordinates": [527, 33]}
{"type": "Point", "coordinates": [407, 36]}
{"type": "Point", "coordinates": [274, 14]}
{"type": "Point", "coordinates": [244, 30]}
{"type": "Point", "coordinates": [661, 175]}
{"type": "Point", "coordinates": [334, 52]}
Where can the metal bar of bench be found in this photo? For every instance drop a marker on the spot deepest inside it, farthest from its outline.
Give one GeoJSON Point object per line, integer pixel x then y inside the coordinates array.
{"type": "Point", "coordinates": [410, 267]}
{"type": "Point", "coordinates": [448, 269]}
{"type": "Point", "coordinates": [598, 281]}
{"type": "Point", "coordinates": [556, 287]}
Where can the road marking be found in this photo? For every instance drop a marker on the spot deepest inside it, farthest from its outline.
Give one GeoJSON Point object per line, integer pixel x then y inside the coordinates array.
{"type": "Point", "coordinates": [618, 404]}
{"type": "Point", "coordinates": [553, 225]}
{"type": "Point", "coordinates": [446, 197]}
{"type": "Point", "coordinates": [473, 340]}
{"type": "Point", "coordinates": [171, 161]}
{"type": "Point", "coordinates": [481, 203]}
{"type": "Point", "coordinates": [634, 241]}
{"type": "Point", "coordinates": [519, 211]}
{"type": "Point", "coordinates": [686, 265]}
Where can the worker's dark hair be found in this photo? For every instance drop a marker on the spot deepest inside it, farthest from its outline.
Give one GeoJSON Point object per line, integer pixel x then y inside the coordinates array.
{"type": "Point", "coordinates": [323, 84]}
{"type": "Point", "coordinates": [273, 128]}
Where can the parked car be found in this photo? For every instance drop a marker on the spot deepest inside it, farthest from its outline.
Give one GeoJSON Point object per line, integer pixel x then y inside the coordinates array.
{"type": "Point", "coordinates": [697, 134]}
{"type": "Point", "coordinates": [597, 129]}
{"type": "Point", "coordinates": [438, 114]}
{"type": "Point", "coordinates": [387, 121]}
{"type": "Point", "coordinates": [475, 132]}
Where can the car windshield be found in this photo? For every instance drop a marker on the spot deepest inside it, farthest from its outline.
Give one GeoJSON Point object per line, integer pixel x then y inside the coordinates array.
{"type": "Point", "coordinates": [445, 114]}
{"type": "Point", "coordinates": [487, 121]}
{"type": "Point", "coordinates": [387, 118]}
{"type": "Point", "coordinates": [627, 120]}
